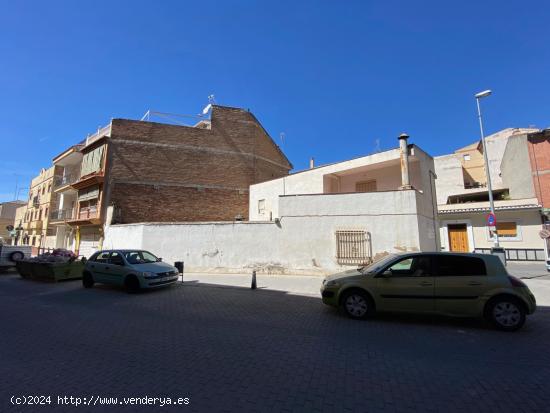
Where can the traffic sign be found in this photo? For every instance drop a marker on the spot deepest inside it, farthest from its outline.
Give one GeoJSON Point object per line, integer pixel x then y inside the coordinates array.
{"type": "Point", "coordinates": [491, 220]}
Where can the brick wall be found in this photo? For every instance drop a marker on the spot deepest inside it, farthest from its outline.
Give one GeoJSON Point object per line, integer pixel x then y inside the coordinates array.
{"type": "Point", "coordinates": [539, 154]}
{"type": "Point", "coordinates": [168, 173]}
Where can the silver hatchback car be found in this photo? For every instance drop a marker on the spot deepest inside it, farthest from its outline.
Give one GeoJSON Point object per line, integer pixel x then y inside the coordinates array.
{"type": "Point", "coordinates": [133, 269]}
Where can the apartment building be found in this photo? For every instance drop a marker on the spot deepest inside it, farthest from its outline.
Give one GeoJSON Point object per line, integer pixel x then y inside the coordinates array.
{"type": "Point", "coordinates": [35, 228]}
{"type": "Point", "coordinates": [139, 171]}
{"type": "Point", "coordinates": [463, 197]}
{"type": "Point", "coordinates": [68, 164]}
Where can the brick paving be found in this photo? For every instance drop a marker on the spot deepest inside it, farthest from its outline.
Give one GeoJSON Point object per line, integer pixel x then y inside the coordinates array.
{"type": "Point", "coordinates": [233, 349]}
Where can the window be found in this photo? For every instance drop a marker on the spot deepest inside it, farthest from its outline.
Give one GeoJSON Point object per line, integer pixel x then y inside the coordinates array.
{"type": "Point", "coordinates": [50, 187]}
{"type": "Point", "coordinates": [418, 266]}
{"type": "Point", "coordinates": [102, 257]}
{"type": "Point", "coordinates": [455, 265]}
{"type": "Point", "coordinates": [366, 186]}
{"type": "Point", "coordinates": [261, 206]}
{"type": "Point", "coordinates": [116, 258]}
{"type": "Point", "coordinates": [43, 189]}
{"type": "Point", "coordinates": [353, 247]}
{"type": "Point", "coordinates": [139, 257]}
{"type": "Point", "coordinates": [506, 230]}
{"type": "Point", "coordinates": [467, 157]}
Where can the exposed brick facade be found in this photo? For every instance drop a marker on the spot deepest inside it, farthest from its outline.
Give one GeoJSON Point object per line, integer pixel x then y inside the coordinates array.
{"type": "Point", "coordinates": [539, 154]}
{"type": "Point", "coordinates": [169, 173]}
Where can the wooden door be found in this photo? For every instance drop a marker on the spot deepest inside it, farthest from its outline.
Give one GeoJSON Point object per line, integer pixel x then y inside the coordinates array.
{"type": "Point", "coordinates": [458, 238]}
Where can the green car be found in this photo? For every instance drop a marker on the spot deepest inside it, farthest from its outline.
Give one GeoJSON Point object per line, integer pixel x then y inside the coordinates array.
{"type": "Point", "coordinates": [133, 269]}
{"type": "Point", "coordinates": [462, 285]}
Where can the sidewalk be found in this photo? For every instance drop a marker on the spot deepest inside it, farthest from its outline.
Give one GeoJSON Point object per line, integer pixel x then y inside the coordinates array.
{"type": "Point", "coordinates": [293, 284]}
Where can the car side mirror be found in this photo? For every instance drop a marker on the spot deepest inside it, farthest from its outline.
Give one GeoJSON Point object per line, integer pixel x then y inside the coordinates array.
{"type": "Point", "coordinates": [385, 274]}
{"type": "Point", "coordinates": [159, 259]}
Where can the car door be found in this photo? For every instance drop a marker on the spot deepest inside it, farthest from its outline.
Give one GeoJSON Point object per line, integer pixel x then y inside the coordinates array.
{"type": "Point", "coordinates": [97, 267]}
{"type": "Point", "coordinates": [406, 285]}
{"type": "Point", "coordinates": [115, 268]}
{"type": "Point", "coordinates": [460, 281]}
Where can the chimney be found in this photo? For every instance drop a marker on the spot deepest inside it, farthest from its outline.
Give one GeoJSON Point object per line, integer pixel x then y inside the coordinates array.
{"type": "Point", "coordinates": [404, 155]}
{"type": "Point", "coordinates": [311, 162]}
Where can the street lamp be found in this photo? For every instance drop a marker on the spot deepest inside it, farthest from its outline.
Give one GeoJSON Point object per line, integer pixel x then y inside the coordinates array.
{"type": "Point", "coordinates": [479, 96]}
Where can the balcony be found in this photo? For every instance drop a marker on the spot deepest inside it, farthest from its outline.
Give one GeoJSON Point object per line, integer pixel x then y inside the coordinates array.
{"type": "Point", "coordinates": [37, 225]}
{"type": "Point", "coordinates": [61, 182]}
{"type": "Point", "coordinates": [85, 216]}
{"type": "Point", "coordinates": [62, 215]}
{"type": "Point", "coordinates": [88, 213]}
{"type": "Point", "coordinates": [89, 180]}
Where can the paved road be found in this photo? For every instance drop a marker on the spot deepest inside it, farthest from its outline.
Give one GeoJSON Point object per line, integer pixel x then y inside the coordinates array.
{"type": "Point", "coordinates": [233, 349]}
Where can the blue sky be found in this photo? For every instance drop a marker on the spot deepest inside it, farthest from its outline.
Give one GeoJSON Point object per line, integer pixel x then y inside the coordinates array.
{"type": "Point", "coordinates": [334, 76]}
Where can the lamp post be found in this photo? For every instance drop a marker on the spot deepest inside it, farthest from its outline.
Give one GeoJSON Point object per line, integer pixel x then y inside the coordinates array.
{"type": "Point", "coordinates": [479, 96]}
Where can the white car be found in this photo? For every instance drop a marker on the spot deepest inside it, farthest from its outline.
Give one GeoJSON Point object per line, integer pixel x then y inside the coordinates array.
{"type": "Point", "coordinates": [10, 254]}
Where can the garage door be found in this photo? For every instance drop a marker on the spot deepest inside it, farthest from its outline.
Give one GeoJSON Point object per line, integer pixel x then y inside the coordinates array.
{"type": "Point", "coordinates": [89, 243]}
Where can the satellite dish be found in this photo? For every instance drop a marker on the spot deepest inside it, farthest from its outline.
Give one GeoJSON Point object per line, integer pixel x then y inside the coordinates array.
{"type": "Point", "coordinates": [207, 108]}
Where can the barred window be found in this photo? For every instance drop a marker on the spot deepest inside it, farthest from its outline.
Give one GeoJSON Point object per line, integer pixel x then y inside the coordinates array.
{"type": "Point", "coordinates": [353, 247]}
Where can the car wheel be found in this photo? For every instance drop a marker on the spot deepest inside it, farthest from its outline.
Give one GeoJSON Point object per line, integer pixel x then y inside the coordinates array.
{"type": "Point", "coordinates": [16, 256]}
{"type": "Point", "coordinates": [506, 313]}
{"type": "Point", "coordinates": [132, 284]}
{"type": "Point", "coordinates": [357, 304]}
{"type": "Point", "coordinates": [87, 280]}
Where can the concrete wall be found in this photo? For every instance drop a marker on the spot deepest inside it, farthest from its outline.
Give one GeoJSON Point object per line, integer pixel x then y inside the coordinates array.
{"type": "Point", "coordinates": [302, 242]}
{"type": "Point", "coordinates": [449, 176]}
{"type": "Point", "coordinates": [515, 168]}
{"type": "Point", "coordinates": [539, 154]}
{"type": "Point", "coordinates": [496, 145]}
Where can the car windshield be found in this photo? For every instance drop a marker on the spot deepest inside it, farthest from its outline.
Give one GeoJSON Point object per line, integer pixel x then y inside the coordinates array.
{"type": "Point", "coordinates": [139, 257]}
{"type": "Point", "coordinates": [377, 265]}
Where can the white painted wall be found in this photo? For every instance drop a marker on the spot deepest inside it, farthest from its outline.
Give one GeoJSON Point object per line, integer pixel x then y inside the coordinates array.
{"type": "Point", "coordinates": [303, 242]}
{"type": "Point", "coordinates": [450, 179]}
{"type": "Point", "coordinates": [383, 166]}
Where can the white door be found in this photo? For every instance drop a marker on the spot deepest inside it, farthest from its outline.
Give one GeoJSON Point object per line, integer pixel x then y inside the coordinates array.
{"type": "Point", "coordinates": [89, 243]}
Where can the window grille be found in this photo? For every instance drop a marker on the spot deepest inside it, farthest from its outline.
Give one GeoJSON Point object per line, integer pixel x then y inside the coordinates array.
{"type": "Point", "coordinates": [353, 247]}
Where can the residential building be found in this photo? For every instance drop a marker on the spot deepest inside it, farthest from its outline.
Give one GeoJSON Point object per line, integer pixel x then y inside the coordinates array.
{"type": "Point", "coordinates": [41, 196]}
{"type": "Point", "coordinates": [463, 203]}
{"type": "Point", "coordinates": [317, 221]}
{"type": "Point", "coordinates": [69, 164]}
{"type": "Point", "coordinates": [20, 213]}
{"type": "Point", "coordinates": [7, 217]}
{"type": "Point", "coordinates": [405, 206]}
{"type": "Point", "coordinates": [139, 171]}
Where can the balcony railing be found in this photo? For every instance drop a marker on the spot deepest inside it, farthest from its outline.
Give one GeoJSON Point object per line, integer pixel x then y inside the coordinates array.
{"type": "Point", "coordinates": [88, 213]}
{"type": "Point", "coordinates": [62, 215]}
{"type": "Point", "coordinates": [68, 179]}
